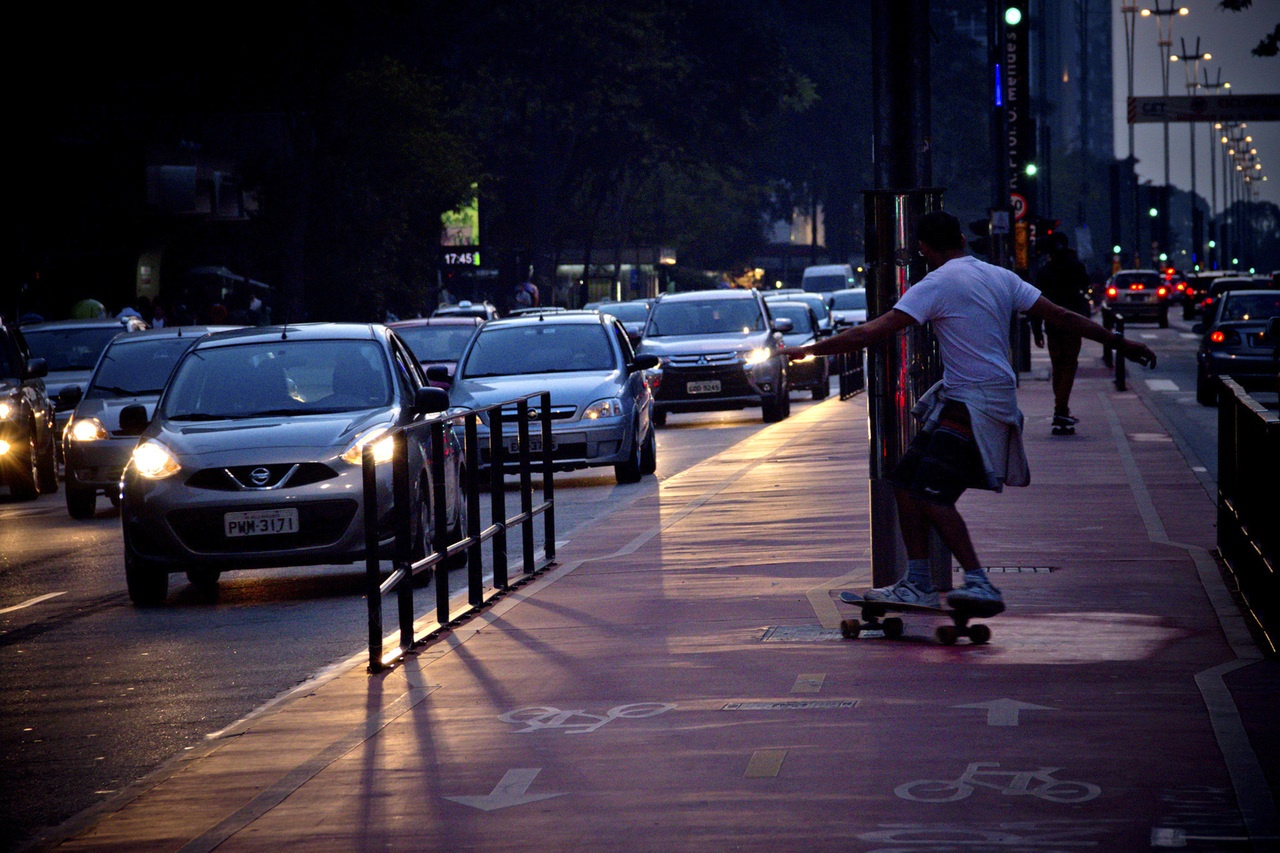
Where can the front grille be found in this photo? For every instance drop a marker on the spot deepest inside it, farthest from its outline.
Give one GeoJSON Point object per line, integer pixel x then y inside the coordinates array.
{"type": "Point", "coordinates": [558, 413]}
{"type": "Point", "coordinates": [240, 478]}
{"type": "Point", "coordinates": [319, 523]}
{"type": "Point", "coordinates": [710, 359]}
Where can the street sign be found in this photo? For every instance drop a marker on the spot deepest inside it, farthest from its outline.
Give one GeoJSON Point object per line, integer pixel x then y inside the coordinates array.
{"type": "Point", "coordinates": [1185, 108]}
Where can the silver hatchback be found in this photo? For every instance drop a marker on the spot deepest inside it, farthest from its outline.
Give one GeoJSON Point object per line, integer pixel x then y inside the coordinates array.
{"type": "Point", "coordinates": [253, 456]}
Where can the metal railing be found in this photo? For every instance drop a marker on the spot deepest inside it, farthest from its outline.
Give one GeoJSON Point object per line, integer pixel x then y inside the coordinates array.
{"type": "Point", "coordinates": [438, 554]}
{"type": "Point", "coordinates": [1248, 498]}
{"type": "Point", "coordinates": [850, 372]}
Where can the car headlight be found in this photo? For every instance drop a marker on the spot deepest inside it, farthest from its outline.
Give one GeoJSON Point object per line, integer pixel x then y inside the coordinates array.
{"type": "Point", "coordinates": [152, 460]}
{"type": "Point", "coordinates": [88, 429]}
{"type": "Point", "coordinates": [757, 356]}
{"type": "Point", "coordinates": [383, 446]}
{"type": "Point", "coordinates": [7, 410]}
{"type": "Point", "coordinates": [4, 447]}
{"type": "Point", "coordinates": [603, 409]}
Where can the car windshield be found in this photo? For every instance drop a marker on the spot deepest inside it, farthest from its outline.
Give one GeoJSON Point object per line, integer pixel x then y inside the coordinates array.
{"type": "Point", "coordinates": [852, 301]}
{"type": "Point", "coordinates": [627, 312]}
{"type": "Point", "coordinates": [436, 343]}
{"type": "Point", "coordinates": [279, 377]}
{"type": "Point", "coordinates": [797, 314]}
{"type": "Point", "coordinates": [134, 367]}
{"type": "Point", "coordinates": [72, 348]}
{"type": "Point", "coordinates": [825, 282]}
{"type": "Point", "coordinates": [538, 348]}
{"type": "Point", "coordinates": [1250, 306]}
{"type": "Point", "coordinates": [705, 317]}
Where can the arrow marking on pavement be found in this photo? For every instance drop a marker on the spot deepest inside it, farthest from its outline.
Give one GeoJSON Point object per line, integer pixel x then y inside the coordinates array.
{"type": "Point", "coordinates": [509, 792]}
{"type": "Point", "coordinates": [1004, 712]}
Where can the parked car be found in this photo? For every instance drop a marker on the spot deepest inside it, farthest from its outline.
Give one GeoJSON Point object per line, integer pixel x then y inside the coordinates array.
{"type": "Point", "coordinates": [28, 464]}
{"type": "Point", "coordinates": [816, 301]}
{"type": "Point", "coordinates": [1139, 295]}
{"type": "Point", "coordinates": [632, 314]}
{"type": "Point", "coordinates": [132, 371]}
{"type": "Point", "coordinates": [1197, 288]}
{"type": "Point", "coordinates": [848, 306]}
{"type": "Point", "coordinates": [253, 456]}
{"type": "Point", "coordinates": [71, 348]}
{"type": "Point", "coordinates": [717, 349]}
{"type": "Point", "coordinates": [601, 406]}
{"type": "Point", "coordinates": [1237, 342]}
{"type": "Point", "coordinates": [438, 340]}
{"type": "Point", "coordinates": [812, 373]}
{"type": "Point", "coordinates": [825, 278]}
{"type": "Point", "coordinates": [1222, 285]}
{"type": "Point", "coordinates": [483, 310]}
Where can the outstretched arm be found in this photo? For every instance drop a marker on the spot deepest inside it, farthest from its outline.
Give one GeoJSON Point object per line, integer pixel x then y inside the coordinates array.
{"type": "Point", "coordinates": [1078, 324]}
{"type": "Point", "coordinates": [882, 328]}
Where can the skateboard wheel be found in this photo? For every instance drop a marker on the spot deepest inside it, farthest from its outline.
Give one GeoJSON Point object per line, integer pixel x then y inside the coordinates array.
{"type": "Point", "coordinates": [850, 628]}
{"type": "Point", "coordinates": [892, 627]}
{"type": "Point", "coordinates": [979, 634]}
{"type": "Point", "coordinates": [947, 634]}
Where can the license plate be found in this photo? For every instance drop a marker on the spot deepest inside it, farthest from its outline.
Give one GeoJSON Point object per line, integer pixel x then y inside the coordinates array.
{"type": "Point", "coordinates": [535, 445]}
{"type": "Point", "coordinates": [260, 522]}
{"type": "Point", "coordinates": [709, 387]}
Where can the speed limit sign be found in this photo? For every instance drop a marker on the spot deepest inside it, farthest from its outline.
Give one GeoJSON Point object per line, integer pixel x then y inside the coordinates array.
{"type": "Point", "coordinates": [1019, 205]}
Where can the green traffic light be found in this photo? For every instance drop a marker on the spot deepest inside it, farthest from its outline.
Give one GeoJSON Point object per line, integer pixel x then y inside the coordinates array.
{"type": "Point", "coordinates": [1030, 170]}
{"type": "Point", "coordinates": [1153, 213]}
{"type": "Point", "coordinates": [1013, 16]}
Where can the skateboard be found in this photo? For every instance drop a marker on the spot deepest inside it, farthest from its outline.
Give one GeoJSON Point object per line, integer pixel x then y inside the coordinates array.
{"type": "Point", "coordinates": [1064, 426]}
{"type": "Point", "coordinates": [873, 617]}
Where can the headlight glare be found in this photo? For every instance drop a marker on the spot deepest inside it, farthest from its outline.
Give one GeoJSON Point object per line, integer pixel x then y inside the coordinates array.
{"type": "Point", "coordinates": [7, 409]}
{"type": "Point", "coordinates": [153, 460]}
{"type": "Point", "coordinates": [88, 429]}
{"type": "Point", "coordinates": [603, 409]}
{"type": "Point", "coordinates": [757, 356]}
{"type": "Point", "coordinates": [383, 446]}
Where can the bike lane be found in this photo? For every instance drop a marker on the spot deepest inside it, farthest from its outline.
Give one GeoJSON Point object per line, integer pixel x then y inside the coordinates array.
{"type": "Point", "coordinates": [674, 685]}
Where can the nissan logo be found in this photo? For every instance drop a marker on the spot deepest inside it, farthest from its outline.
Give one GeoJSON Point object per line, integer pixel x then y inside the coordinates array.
{"type": "Point", "coordinates": [260, 476]}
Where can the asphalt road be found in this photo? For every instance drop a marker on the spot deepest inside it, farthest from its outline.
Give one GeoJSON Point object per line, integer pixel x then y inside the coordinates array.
{"type": "Point", "coordinates": [95, 693]}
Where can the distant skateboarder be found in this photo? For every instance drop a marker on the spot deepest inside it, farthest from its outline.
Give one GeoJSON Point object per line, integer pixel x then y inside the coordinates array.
{"type": "Point", "coordinates": [971, 433]}
{"type": "Point", "coordinates": [1063, 281]}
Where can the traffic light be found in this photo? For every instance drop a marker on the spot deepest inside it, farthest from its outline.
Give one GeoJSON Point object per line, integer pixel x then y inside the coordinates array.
{"type": "Point", "coordinates": [1013, 14]}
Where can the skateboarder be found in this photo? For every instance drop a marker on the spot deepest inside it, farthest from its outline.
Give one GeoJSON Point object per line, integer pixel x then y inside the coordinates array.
{"type": "Point", "coordinates": [971, 430]}
{"type": "Point", "coordinates": [1063, 281]}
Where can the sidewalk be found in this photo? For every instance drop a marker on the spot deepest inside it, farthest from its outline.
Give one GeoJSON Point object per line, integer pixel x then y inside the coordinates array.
{"type": "Point", "coordinates": [679, 682]}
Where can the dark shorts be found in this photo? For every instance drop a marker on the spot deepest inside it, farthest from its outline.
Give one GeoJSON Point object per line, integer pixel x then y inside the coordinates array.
{"type": "Point", "coordinates": [941, 463]}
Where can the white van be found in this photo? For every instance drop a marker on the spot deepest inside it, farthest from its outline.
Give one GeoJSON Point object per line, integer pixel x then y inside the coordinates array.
{"type": "Point", "coordinates": [826, 278]}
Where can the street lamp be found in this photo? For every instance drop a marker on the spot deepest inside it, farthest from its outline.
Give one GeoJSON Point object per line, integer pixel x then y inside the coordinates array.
{"type": "Point", "coordinates": [1191, 64]}
{"type": "Point", "coordinates": [1164, 40]}
{"type": "Point", "coordinates": [1214, 130]}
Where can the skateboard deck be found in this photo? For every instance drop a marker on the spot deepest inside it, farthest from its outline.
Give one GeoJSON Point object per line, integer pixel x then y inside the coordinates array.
{"type": "Point", "coordinates": [873, 618]}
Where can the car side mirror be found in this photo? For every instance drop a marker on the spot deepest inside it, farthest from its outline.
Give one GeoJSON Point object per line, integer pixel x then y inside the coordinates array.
{"type": "Point", "coordinates": [1198, 328]}
{"type": "Point", "coordinates": [429, 401]}
{"type": "Point", "coordinates": [37, 368]}
{"type": "Point", "coordinates": [70, 396]}
{"type": "Point", "coordinates": [648, 361]}
{"type": "Point", "coordinates": [439, 373]}
{"type": "Point", "coordinates": [783, 325]}
{"type": "Point", "coordinates": [133, 419]}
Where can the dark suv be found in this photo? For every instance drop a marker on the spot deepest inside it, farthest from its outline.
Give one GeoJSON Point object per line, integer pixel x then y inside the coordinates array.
{"type": "Point", "coordinates": [717, 349]}
{"type": "Point", "coordinates": [28, 465]}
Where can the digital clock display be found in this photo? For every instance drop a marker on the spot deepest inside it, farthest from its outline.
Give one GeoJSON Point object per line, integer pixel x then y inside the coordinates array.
{"type": "Point", "coordinates": [459, 257]}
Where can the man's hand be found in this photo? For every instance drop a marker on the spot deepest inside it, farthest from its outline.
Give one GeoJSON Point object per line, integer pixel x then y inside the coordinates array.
{"type": "Point", "coordinates": [1039, 339]}
{"type": "Point", "coordinates": [1139, 352]}
{"type": "Point", "coordinates": [793, 352]}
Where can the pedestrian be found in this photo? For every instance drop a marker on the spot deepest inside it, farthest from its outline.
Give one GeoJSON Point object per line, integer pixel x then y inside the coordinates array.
{"type": "Point", "coordinates": [526, 295]}
{"type": "Point", "coordinates": [971, 430]}
{"type": "Point", "coordinates": [1064, 281]}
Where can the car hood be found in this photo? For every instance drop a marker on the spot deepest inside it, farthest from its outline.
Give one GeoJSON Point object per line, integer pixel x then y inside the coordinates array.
{"type": "Point", "coordinates": [700, 344]}
{"type": "Point", "coordinates": [107, 411]}
{"type": "Point", "coordinates": [798, 339]}
{"type": "Point", "coordinates": [57, 380]}
{"type": "Point", "coordinates": [298, 437]}
{"type": "Point", "coordinates": [8, 385]}
{"type": "Point", "coordinates": [577, 389]}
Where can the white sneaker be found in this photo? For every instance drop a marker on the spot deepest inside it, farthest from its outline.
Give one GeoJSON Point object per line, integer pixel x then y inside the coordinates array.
{"type": "Point", "coordinates": [903, 592]}
{"type": "Point", "coordinates": [981, 598]}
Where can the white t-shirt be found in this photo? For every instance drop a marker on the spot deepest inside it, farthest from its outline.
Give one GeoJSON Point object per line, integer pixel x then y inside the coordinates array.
{"type": "Point", "coordinates": [970, 304]}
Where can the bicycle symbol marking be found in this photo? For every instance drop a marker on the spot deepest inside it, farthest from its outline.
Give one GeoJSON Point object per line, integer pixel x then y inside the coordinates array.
{"type": "Point", "coordinates": [1037, 783]}
{"type": "Point", "coordinates": [579, 722]}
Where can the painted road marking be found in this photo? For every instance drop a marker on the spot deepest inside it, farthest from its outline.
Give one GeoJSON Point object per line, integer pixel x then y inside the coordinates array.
{"type": "Point", "coordinates": [765, 763]}
{"type": "Point", "coordinates": [809, 682]}
{"type": "Point", "coordinates": [1014, 782]}
{"type": "Point", "coordinates": [579, 721]}
{"type": "Point", "coordinates": [509, 792]}
{"type": "Point", "coordinates": [30, 601]}
{"type": "Point", "coordinates": [794, 705]}
{"type": "Point", "coordinates": [1004, 712]}
{"type": "Point", "coordinates": [1162, 385]}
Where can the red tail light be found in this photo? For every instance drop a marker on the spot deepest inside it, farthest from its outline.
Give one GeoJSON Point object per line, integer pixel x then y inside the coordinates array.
{"type": "Point", "coordinates": [1217, 337]}
{"type": "Point", "coordinates": [1137, 285]}
{"type": "Point", "coordinates": [1162, 292]}
{"type": "Point", "coordinates": [1112, 293]}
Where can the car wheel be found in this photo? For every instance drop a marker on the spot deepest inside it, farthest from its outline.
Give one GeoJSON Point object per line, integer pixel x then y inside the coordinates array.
{"type": "Point", "coordinates": [649, 455]}
{"type": "Point", "coordinates": [81, 503]}
{"type": "Point", "coordinates": [24, 485]}
{"type": "Point", "coordinates": [630, 471]}
{"type": "Point", "coordinates": [1206, 389]}
{"type": "Point", "coordinates": [457, 534]}
{"type": "Point", "coordinates": [205, 580]}
{"type": "Point", "coordinates": [823, 389]}
{"type": "Point", "coordinates": [148, 582]}
{"type": "Point", "coordinates": [47, 469]}
{"type": "Point", "coordinates": [1164, 318]}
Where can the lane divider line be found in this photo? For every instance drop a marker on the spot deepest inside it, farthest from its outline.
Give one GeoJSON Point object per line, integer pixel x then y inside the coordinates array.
{"type": "Point", "coordinates": [32, 601]}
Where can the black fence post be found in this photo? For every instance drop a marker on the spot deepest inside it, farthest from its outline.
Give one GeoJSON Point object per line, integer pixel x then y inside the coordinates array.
{"type": "Point", "coordinates": [1108, 323]}
{"type": "Point", "coordinates": [403, 564]}
{"type": "Point", "coordinates": [1119, 357]}
{"type": "Point", "coordinates": [526, 487]}
{"type": "Point", "coordinates": [475, 569]}
{"type": "Point", "coordinates": [498, 496]}
{"type": "Point", "coordinates": [372, 571]}
{"type": "Point", "coordinates": [548, 489]}
{"type": "Point", "coordinates": [440, 521]}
